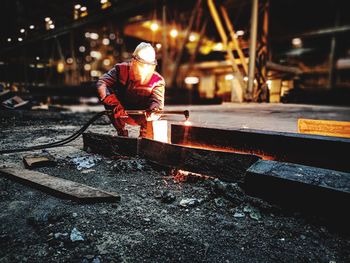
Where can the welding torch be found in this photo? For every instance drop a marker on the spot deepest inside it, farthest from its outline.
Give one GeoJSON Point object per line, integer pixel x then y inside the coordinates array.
{"type": "Point", "coordinates": [186, 113]}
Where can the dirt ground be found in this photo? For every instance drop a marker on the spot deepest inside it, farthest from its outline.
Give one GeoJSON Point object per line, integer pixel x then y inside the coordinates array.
{"type": "Point", "coordinates": [163, 215]}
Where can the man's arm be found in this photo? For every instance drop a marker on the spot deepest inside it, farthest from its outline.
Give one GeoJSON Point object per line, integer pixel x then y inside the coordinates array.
{"type": "Point", "coordinates": [105, 83]}
{"type": "Point", "coordinates": [110, 100]}
{"type": "Point", "coordinates": [156, 101]}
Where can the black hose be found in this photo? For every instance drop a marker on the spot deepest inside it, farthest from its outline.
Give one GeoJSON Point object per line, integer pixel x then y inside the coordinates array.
{"type": "Point", "coordinates": [59, 143]}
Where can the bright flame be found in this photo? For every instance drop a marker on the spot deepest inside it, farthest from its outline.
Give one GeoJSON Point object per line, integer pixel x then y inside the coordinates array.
{"type": "Point", "coordinates": [160, 130]}
{"type": "Point", "coordinates": [187, 123]}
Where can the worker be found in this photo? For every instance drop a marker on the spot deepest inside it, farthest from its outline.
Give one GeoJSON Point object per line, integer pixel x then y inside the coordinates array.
{"type": "Point", "coordinates": [133, 85]}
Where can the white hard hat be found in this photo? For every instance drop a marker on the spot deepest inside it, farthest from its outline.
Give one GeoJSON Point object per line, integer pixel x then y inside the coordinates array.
{"type": "Point", "coordinates": [145, 53]}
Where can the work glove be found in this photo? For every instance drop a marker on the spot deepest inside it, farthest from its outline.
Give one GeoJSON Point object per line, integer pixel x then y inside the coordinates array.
{"type": "Point", "coordinates": [111, 101]}
{"type": "Point", "coordinates": [152, 115]}
{"type": "Point", "coordinates": [119, 112]}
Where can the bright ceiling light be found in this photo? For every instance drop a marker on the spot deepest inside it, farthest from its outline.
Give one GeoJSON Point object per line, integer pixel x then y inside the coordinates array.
{"type": "Point", "coordinates": [297, 42]}
{"type": "Point", "coordinates": [154, 26]}
{"type": "Point", "coordinates": [192, 37]}
{"type": "Point", "coordinates": [191, 80]}
{"type": "Point", "coordinates": [229, 77]}
{"type": "Point", "coordinates": [174, 33]}
{"type": "Point", "coordinates": [105, 41]}
{"type": "Point", "coordinates": [94, 36]}
{"type": "Point", "coordinates": [240, 33]}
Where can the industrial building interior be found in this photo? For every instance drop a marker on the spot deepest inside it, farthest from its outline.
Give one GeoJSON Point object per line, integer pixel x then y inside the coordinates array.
{"type": "Point", "coordinates": [224, 137]}
{"type": "Point", "coordinates": [50, 49]}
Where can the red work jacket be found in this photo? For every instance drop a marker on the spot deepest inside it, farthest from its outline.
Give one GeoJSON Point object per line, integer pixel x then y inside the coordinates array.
{"type": "Point", "coordinates": [130, 94]}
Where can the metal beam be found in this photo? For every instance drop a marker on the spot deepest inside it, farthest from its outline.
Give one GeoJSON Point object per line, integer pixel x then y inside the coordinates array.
{"type": "Point", "coordinates": [90, 19]}
{"type": "Point", "coordinates": [223, 36]}
{"type": "Point", "coordinates": [252, 47]}
{"type": "Point", "coordinates": [317, 33]}
{"type": "Point", "coordinates": [183, 44]}
{"type": "Point", "coordinates": [234, 39]}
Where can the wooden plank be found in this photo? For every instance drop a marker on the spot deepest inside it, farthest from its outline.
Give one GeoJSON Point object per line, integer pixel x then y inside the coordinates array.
{"type": "Point", "coordinates": [307, 189]}
{"type": "Point", "coordinates": [305, 149]}
{"type": "Point", "coordinates": [32, 161]}
{"type": "Point", "coordinates": [60, 187]}
{"type": "Point", "coordinates": [110, 145]}
{"type": "Point", "coordinates": [324, 127]}
{"type": "Point", "coordinates": [227, 166]}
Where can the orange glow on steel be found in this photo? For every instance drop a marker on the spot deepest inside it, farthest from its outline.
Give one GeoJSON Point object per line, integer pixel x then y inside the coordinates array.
{"type": "Point", "coordinates": [261, 154]}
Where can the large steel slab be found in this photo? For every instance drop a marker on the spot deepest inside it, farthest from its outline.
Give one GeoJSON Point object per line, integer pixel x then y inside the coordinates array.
{"type": "Point", "coordinates": [312, 190]}
{"type": "Point", "coordinates": [319, 151]}
{"type": "Point", "coordinates": [110, 145]}
{"type": "Point", "coordinates": [224, 165]}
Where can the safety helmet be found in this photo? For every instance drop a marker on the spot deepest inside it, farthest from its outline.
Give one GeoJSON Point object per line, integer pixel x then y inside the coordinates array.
{"type": "Point", "coordinates": [145, 53]}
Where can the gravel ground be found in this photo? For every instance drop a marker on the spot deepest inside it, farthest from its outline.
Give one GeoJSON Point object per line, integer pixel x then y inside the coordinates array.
{"type": "Point", "coordinates": [164, 215]}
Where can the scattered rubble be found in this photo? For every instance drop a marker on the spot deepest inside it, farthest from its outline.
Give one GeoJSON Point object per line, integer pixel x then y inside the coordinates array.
{"type": "Point", "coordinates": [148, 224]}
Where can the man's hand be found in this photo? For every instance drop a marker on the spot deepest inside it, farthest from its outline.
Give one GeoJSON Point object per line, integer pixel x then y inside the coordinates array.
{"type": "Point", "coordinates": [111, 100]}
{"type": "Point", "coordinates": [119, 112]}
{"type": "Point", "coordinates": [152, 115]}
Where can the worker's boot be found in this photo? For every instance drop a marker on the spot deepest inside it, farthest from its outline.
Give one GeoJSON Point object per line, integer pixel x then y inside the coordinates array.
{"type": "Point", "coordinates": [143, 132]}
{"type": "Point", "coordinates": [123, 133]}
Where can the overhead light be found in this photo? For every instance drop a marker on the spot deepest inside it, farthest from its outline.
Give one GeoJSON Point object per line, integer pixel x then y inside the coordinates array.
{"type": "Point", "coordinates": [9, 39]}
{"type": "Point", "coordinates": [20, 39]}
{"type": "Point", "coordinates": [154, 26]}
{"type": "Point", "coordinates": [22, 30]}
{"type": "Point", "coordinates": [87, 34]}
{"type": "Point", "coordinates": [158, 45]}
{"type": "Point", "coordinates": [105, 41]}
{"type": "Point", "coordinates": [82, 49]}
{"type": "Point", "coordinates": [192, 37]}
{"type": "Point", "coordinates": [191, 80]}
{"type": "Point", "coordinates": [297, 42]}
{"type": "Point", "coordinates": [94, 36]}
{"type": "Point", "coordinates": [87, 67]}
{"type": "Point", "coordinates": [106, 62]}
{"type": "Point", "coordinates": [96, 54]}
{"type": "Point", "coordinates": [60, 67]}
{"type": "Point", "coordinates": [95, 73]}
{"type": "Point", "coordinates": [103, 1]}
{"type": "Point", "coordinates": [37, 58]}
{"type": "Point", "coordinates": [240, 33]}
{"type": "Point", "coordinates": [174, 33]}
{"type": "Point", "coordinates": [52, 26]}
{"type": "Point", "coordinates": [229, 77]}
{"type": "Point", "coordinates": [47, 19]}
{"type": "Point", "coordinates": [218, 47]}
{"type": "Point", "coordinates": [83, 8]}
{"type": "Point", "coordinates": [31, 26]}
{"type": "Point", "coordinates": [111, 36]}
{"type": "Point", "coordinates": [69, 60]}
{"type": "Point", "coordinates": [245, 78]}
{"type": "Point", "coordinates": [77, 6]}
